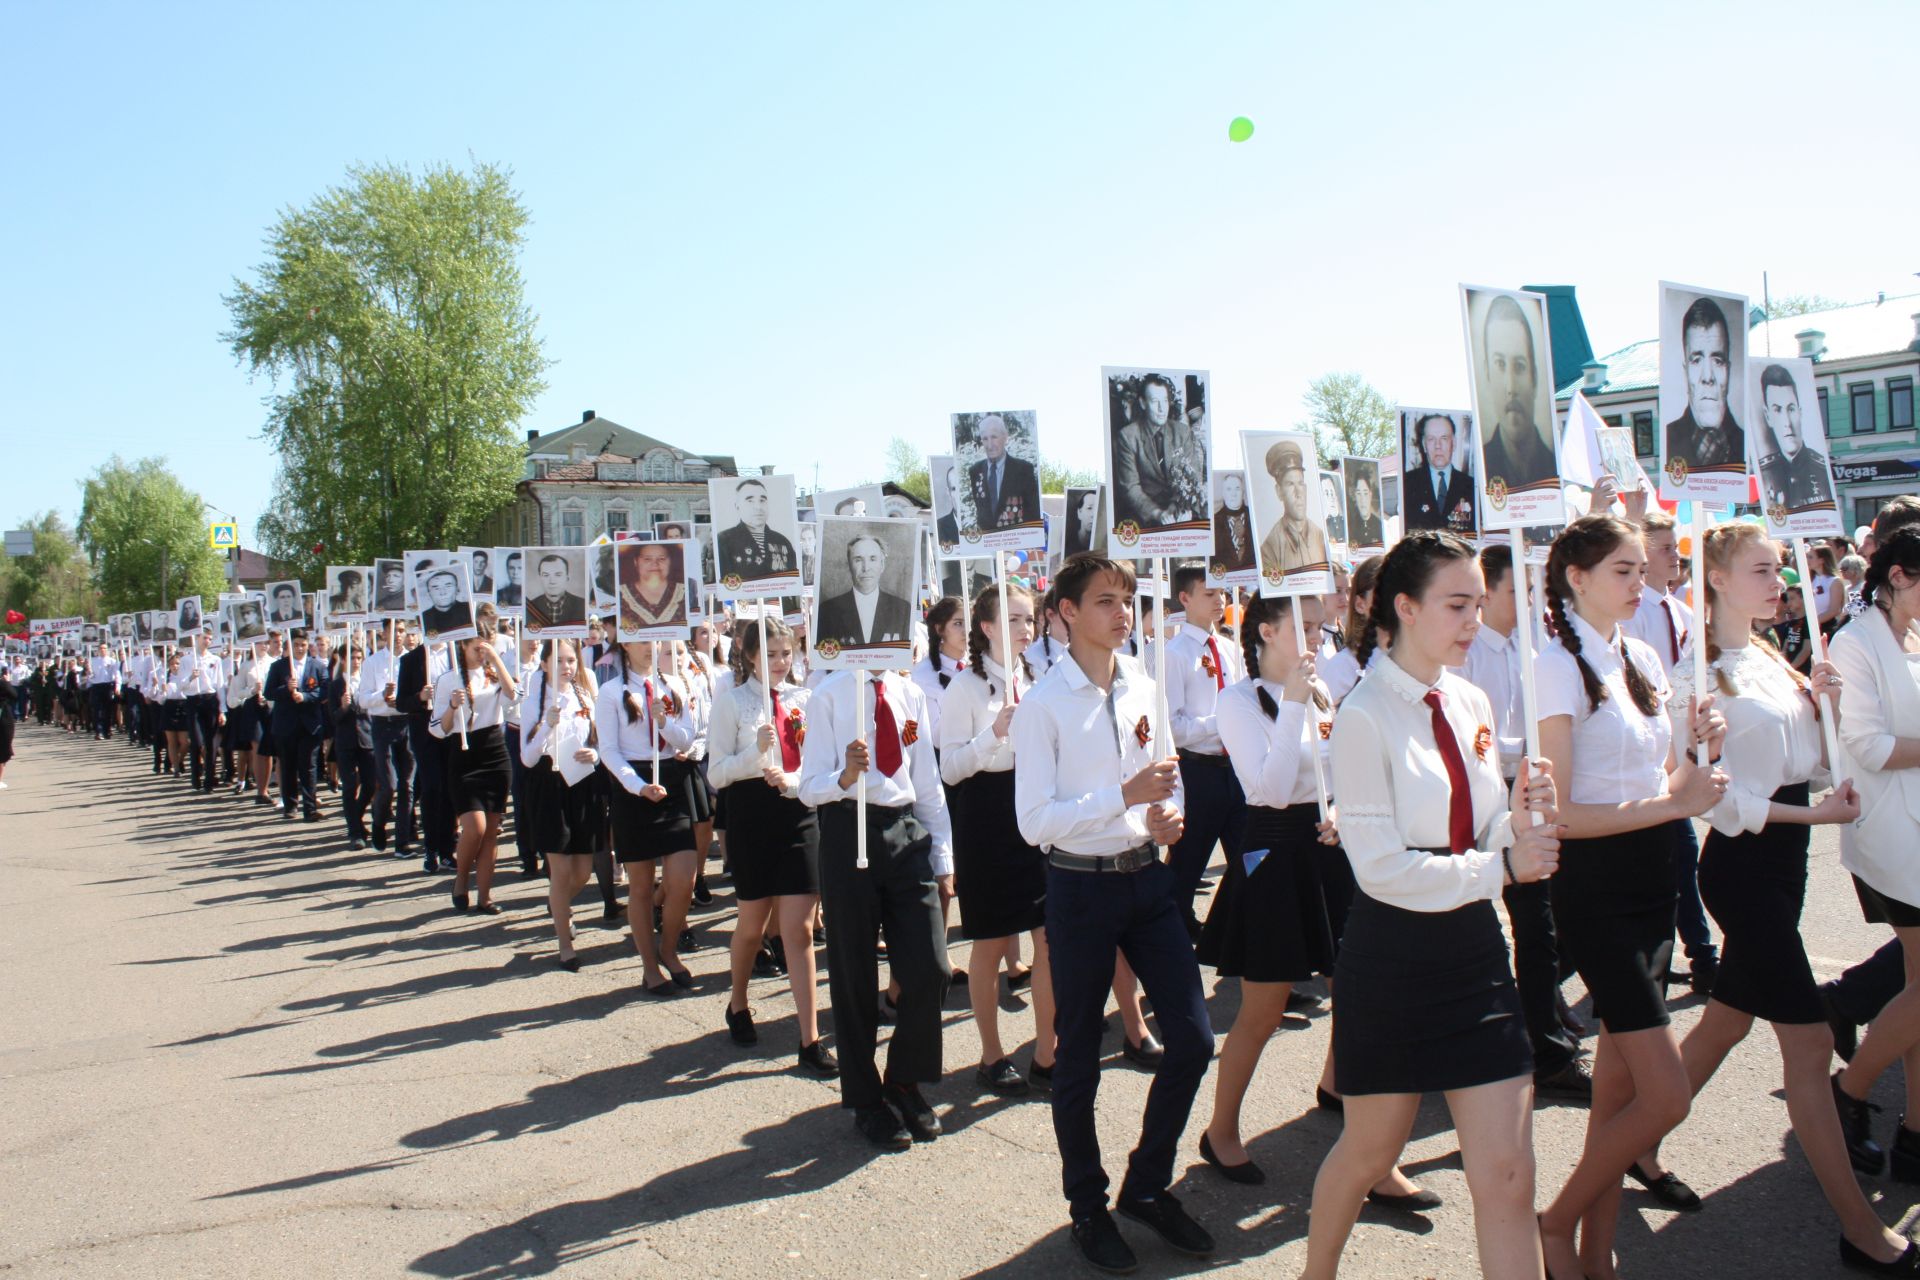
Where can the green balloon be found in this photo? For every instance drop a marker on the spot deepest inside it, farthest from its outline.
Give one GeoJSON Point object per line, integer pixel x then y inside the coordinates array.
{"type": "Point", "coordinates": [1240, 130]}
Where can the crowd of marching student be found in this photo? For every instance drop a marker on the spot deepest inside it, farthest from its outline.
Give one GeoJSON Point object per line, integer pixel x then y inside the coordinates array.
{"type": "Point", "coordinates": [1359, 759]}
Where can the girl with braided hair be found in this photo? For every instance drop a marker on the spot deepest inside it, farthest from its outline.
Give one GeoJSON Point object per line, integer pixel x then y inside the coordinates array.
{"type": "Point", "coordinates": [1603, 724]}
{"type": "Point", "coordinates": [1342, 670]}
{"type": "Point", "coordinates": [567, 821]}
{"type": "Point", "coordinates": [471, 697]}
{"type": "Point", "coordinates": [1000, 879]}
{"type": "Point", "coordinates": [1753, 869]}
{"type": "Point", "coordinates": [1424, 1000]}
{"type": "Point", "coordinates": [946, 655]}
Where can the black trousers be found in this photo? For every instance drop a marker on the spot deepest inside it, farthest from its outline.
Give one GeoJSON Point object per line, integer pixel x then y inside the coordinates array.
{"type": "Point", "coordinates": [1691, 920]}
{"type": "Point", "coordinates": [136, 717]}
{"type": "Point", "coordinates": [393, 776]}
{"type": "Point", "coordinates": [1859, 994]}
{"type": "Point", "coordinates": [295, 746]}
{"type": "Point", "coordinates": [100, 700]}
{"type": "Point", "coordinates": [203, 722]}
{"type": "Point", "coordinates": [356, 783]}
{"type": "Point", "coordinates": [896, 896]}
{"type": "Point", "coordinates": [430, 784]}
{"type": "Point", "coordinates": [1216, 809]}
{"type": "Point", "coordinates": [1536, 971]}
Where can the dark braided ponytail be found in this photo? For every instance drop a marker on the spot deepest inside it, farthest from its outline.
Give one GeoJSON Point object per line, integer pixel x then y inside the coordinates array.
{"type": "Point", "coordinates": [938, 617]}
{"type": "Point", "coordinates": [1404, 571]}
{"type": "Point", "coordinates": [1268, 611]}
{"type": "Point", "coordinates": [1584, 544]}
{"type": "Point", "coordinates": [1898, 550]}
{"type": "Point", "coordinates": [627, 699]}
{"type": "Point", "coordinates": [986, 608]}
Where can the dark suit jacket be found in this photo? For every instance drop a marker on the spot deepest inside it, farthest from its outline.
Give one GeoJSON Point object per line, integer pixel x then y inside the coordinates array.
{"type": "Point", "coordinates": [290, 717]}
{"type": "Point", "coordinates": [947, 530]}
{"type": "Point", "coordinates": [507, 595]}
{"type": "Point", "coordinates": [1686, 439]}
{"type": "Point", "coordinates": [1531, 465]}
{"type": "Point", "coordinates": [1422, 508]}
{"type": "Point", "coordinates": [1224, 554]}
{"type": "Point", "coordinates": [455, 616]}
{"type": "Point", "coordinates": [840, 620]}
{"type": "Point", "coordinates": [572, 611]}
{"type": "Point", "coordinates": [1143, 488]}
{"type": "Point", "coordinates": [352, 727]}
{"type": "Point", "coordinates": [1019, 501]}
{"type": "Point", "coordinates": [410, 677]}
{"type": "Point", "coordinates": [1367, 532]}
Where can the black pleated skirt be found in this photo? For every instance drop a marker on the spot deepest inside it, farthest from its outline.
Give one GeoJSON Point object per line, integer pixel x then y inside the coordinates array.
{"type": "Point", "coordinates": [1424, 1001]}
{"type": "Point", "coordinates": [479, 778]}
{"type": "Point", "coordinates": [1614, 905]}
{"type": "Point", "coordinates": [1755, 886]}
{"type": "Point", "coordinates": [647, 829]}
{"type": "Point", "coordinates": [562, 818]}
{"type": "Point", "coordinates": [174, 715]}
{"type": "Point", "coordinates": [773, 842]}
{"type": "Point", "coordinates": [1281, 921]}
{"type": "Point", "coordinates": [1000, 879]}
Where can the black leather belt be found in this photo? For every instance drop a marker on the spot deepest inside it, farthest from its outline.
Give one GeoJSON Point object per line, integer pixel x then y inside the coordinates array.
{"type": "Point", "coordinates": [1201, 757]}
{"type": "Point", "coordinates": [1130, 860]}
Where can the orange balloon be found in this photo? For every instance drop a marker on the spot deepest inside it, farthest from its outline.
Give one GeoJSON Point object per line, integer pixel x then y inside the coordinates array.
{"type": "Point", "coordinates": [1686, 544]}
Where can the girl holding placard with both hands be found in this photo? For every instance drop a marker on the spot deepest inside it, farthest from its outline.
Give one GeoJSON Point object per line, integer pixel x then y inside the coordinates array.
{"type": "Point", "coordinates": [469, 710]}
{"type": "Point", "coordinates": [565, 816]}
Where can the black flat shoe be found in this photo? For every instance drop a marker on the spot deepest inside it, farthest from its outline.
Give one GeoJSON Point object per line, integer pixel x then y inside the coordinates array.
{"type": "Point", "coordinates": [1246, 1173]}
{"type": "Point", "coordinates": [1571, 1083]}
{"type": "Point", "coordinates": [740, 1027]}
{"type": "Point", "coordinates": [1020, 981]}
{"type": "Point", "coordinates": [1147, 1053]}
{"type": "Point", "coordinates": [612, 918]}
{"type": "Point", "coordinates": [1039, 1078]}
{"type": "Point", "coordinates": [1170, 1222]}
{"type": "Point", "coordinates": [1666, 1188]}
{"type": "Point", "coordinates": [682, 980]}
{"type": "Point", "coordinates": [1302, 1002]}
{"type": "Point", "coordinates": [662, 991]}
{"type": "Point", "coordinates": [1001, 1077]}
{"type": "Point", "coordinates": [1856, 1125]}
{"type": "Point", "coordinates": [914, 1111]}
{"type": "Point", "coordinates": [570, 963]}
{"type": "Point", "coordinates": [1846, 1032]}
{"type": "Point", "coordinates": [1098, 1238]}
{"type": "Point", "coordinates": [882, 1128]}
{"type": "Point", "coordinates": [819, 1059]}
{"type": "Point", "coordinates": [1421, 1201]}
{"type": "Point", "coordinates": [459, 901]}
{"type": "Point", "coordinates": [489, 908]}
{"type": "Point", "coordinates": [1328, 1102]}
{"type": "Point", "coordinates": [702, 895]}
{"type": "Point", "coordinates": [1904, 1158]}
{"type": "Point", "coordinates": [1857, 1259]}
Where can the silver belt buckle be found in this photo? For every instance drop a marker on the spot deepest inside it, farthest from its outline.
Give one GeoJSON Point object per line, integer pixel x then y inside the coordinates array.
{"type": "Point", "coordinates": [1134, 859]}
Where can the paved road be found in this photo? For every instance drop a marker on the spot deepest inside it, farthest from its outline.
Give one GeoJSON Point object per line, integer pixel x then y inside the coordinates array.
{"type": "Point", "coordinates": [230, 1048]}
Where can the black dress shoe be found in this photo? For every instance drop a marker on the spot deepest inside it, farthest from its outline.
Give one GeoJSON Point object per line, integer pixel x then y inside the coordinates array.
{"type": "Point", "coordinates": [914, 1111]}
{"type": "Point", "coordinates": [1328, 1102]}
{"type": "Point", "coordinates": [1246, 1173]}
{"type": "Point", "coordinates": [740, 1027]}
{"type": "Point", "coordinates": [612, 917]}
{"type": "Point", "coordinates": [702, 895]}
{"type": "Point", "coordinates": [1002, 1077]}
{"type": "Point", "coordinates": [1302, 1002]}
{"type": "Point", "coordinates": [880, 1126]}
{"type": "Point", "coordinates": [1040, 1078]}
{"type": "Point", "coordinates": [663, 991]}
{"type": "Point", "coordinates": [1666, 1188]}
{"type": "Point", "coordinates": [1846, 1032]}
{"type": "Point", "coordinates": [488, 908]}
{"type": "Point", "coordinates": [1856, 1259]}
{"type": "Point", "coordinates": [764, 965]}
{"type": "Point", "coordinates": [1101, 1244]}
{"type": "Point", "coordinates": [1147, 1053]}
{"type": "Point", "coordinates": [682, 979]}
{"type": "Point", "coordinates": [570, 963]}
{"type": "Point", "coordinates": [819, 1059]}
{"type": "Point", "coordinates": [1170, 1222]}
{"type": "Point", "coordinates": [1856, 1125]}
{"type": "Point", "coordinates": [1572, 1083]}
{"type": "Point", "coordinates": [957, 980]}
{"type": "Point", "coordinates": [1020, 981]}
{"type": "Point", "coordinates": [1421, 1201]}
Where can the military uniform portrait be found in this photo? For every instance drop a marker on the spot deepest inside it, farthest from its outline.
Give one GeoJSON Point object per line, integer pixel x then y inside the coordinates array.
{"type": "Point", "coordinates": [756, 535]}
{"type": "Point", "coordinates": [1293, 555]}
{"type": "Point", "coordinates": [1000, 455]}
{"type": "Point", "coordinates": [1789, 445]}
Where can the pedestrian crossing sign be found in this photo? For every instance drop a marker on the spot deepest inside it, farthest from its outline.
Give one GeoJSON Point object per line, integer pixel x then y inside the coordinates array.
{"type": "Point", "coordinates": [223, 535]}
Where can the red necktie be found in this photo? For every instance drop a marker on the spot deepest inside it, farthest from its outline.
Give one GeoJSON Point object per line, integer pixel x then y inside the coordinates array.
{"type": "Point", "coordinates": [789, 751]}
{"type": "Point", "coordinates": [1673, 633]}
{"type": "Point", "coordinates": [886, 733]}
{"type": "Point", "coordinates": [1460, 799]}
{"type": "Point", "coordinates": [1219, 672]}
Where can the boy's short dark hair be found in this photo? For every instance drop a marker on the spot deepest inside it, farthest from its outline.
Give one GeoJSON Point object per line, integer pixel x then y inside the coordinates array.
{"type": "Point", "coordinates": [1188, 578]}
{"type": "Point", "coordinates": [1496, 562]}
{"type": "Point", "coordinates": [1082, 569]}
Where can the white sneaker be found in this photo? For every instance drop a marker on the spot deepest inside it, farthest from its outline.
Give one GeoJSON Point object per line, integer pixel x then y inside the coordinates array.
{"type": "Point", "coordinates": [3, 786]}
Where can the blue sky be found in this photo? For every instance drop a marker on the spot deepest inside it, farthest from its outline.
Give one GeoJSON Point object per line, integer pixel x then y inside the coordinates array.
{"type": "Point", "coordinates": [791, 232]}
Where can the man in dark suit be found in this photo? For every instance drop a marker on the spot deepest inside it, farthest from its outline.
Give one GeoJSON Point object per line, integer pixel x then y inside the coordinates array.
{"type": "Point", "coordinates": [1793, 474]}
{"type": "Point", "coordinates": [555, 606]}
{"type": "Point", "coordinates": [1005, 489]}
{"type": "Point", "coordinates": [752, 549]}
{"type": "Point", "coordinates": [413, 681]}
{"type": "Point", "coordinates": [1152, 457]}
{"type": "Point", "coordinates": [510, 592]}
{"type": "Point", "coordinates": [445, 611]}
{"type": "Point", "coordinates": [1438, 494]}
{"type": "Point", "coordinates": [1706, 435]}
{"type": "Point", "coordinates": [947, 528]}
{"type": "Point", "coordinates": [296, 688]}
{"type": "Point", "coordinates": [866, 615]}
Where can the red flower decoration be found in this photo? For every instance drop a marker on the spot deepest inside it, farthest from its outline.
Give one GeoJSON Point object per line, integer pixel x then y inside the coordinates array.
{"type": "Point", "coordinates": [910, 734]}
{"type": "Point", "coordinates": [1143, 732]}
{"type": "Point", "coordinates": [797, 726]}
{"type": "Point", "coordinates": [1326, 730]}
{"type": "Point", "coordinates": [1206, 665]}
{"type": "Point", "coordinates": [1482, 741]}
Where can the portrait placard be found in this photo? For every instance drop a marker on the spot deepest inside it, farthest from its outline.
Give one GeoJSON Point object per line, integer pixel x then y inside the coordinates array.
{"type": "Point", "coordinates": [605, 572]}
{"type": "Point", "coordinates": [1789, 447]}
{"type": "Point", "coordinates": [1703, 396]}
{"type": "Point", "coordinates": [1517, 449]}
{"type": "Point", "coordinates": [863, 615]}
{"type": "Point", "coordinates": [390, 589]}
{"type": "Point", "coordinates": [446, 601]}
{"type": "Point", "coordinates": [249, 620]}
{"type": "Point", "coordinates": [1334, 504]}
{"type": "Point", "coordinates": [1232, 562]}
{"type": "Point", "coordinates": [756, 536]}
{"type": "Point", "coordinates": [997, 457]}
{"type": "Point", "coordinates": [867, 501]}
{"type": "Point", "coordinates": [1366, 520]}
{"type": "Point", "coordinates": [349, 598]}
{"type": "Point", "coordinates": [556, 607]}
{"type": "Point", "coordinates": [653, 590]}
{"type": "Point", "coordinates": [480, 572]}
{"type": "Point", "coordinates": [1293, 553]}
{"type": "Point", "coordinates": [419, 565]}
{"type": "Point", "coordinates": [1437, 489]}
{"type": "Point", "coordinates": [1618, 460]}
{"type": "Point", "coordinates": [1086, 521]}
{"type": "Point", "coordinates": [187, 616]}
{"type": "Point", "coordinates": [1158, 444]}
{"type": "Point", "coordinates": [510, 581]}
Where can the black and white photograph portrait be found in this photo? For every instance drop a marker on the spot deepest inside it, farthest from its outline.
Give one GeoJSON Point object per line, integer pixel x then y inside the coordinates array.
{"type": "Point", "coordinates": [1360, 484]}
{"type": "Point", "coordinates": [1158, 456]}
{"type": "Point", "coordinates": [867, 501]}
{"type": "Point", "coordinates": [123, 627]}
{"type": "Point", "coordinates": [390, 588]}
{"type": "Point", "coordinates": [142, 625]}
{"type": "Point", "coordinates": [446, 601]}
{"type": "Point", "coordinates": [1085, 521]}
{"type": "Point", "coordinates": [419, 565]}
{"type": "Point", "coordinates": [480, 571]}
{"type": "Point", "coordinates": [557, 592]}
{"type": "Point", "coordinates": [509, 580]}
{"type": "Point", "coordinates": [653, 590]}
{"type": "Point", "coordinates": [943, 479]}
{"type": "Point", "coordinates": [756, 535]}
{"type": "Point", "coordinates": [869, 577]}
{"type": "Point", "coordinates": [1790, 450]}
{"type": "Point", "coordinates": [283, 604]}
{"type": "Point", "coordinates": [999, 454]}
{"type": "Point", "coordinates": [1436, 475]}
{"type": "Point", "coordinates": [347, 593]}
{"type": "Point", "coordinates": [1703, 395]}
{"type": "Point", "coordinates": [1294, 555]}
{"type": "Point", "coordinates": [1232, 563]}
{"type": "Point", "coordinates": [809, 548]}
{"type": "Point", "coordinates": [164, 629]}
{"type": "Point", "coordinates": [186, 612]}
{"type": "Point", "coordinates": [1510, 358]}
{"type": "Point", "coordinates": [1334, 505]}
{"type": "Point", "coordinates": [249, 621]}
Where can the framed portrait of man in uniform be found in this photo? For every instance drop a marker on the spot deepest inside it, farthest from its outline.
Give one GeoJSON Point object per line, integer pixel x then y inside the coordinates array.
{"type": "Point", "coordinates": [998, 453]}
{"type": "Point", "coordinates": [756, 536]}
{"type": "Point", "coordinates": [1294, 554]}
{"type": "Point", "coordinates": [1703, 396]}
{"type": "Point", "coordinates": [1789, 448]}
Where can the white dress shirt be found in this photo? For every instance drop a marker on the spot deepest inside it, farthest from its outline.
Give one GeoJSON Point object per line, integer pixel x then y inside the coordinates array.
{"type": "Point", "coordinates": [246, 682]}
{"type": "Point", "coordinates": [700, 702]}
{"type": "Point", "coordinates": [1043, 653]}
{"type": "Point", "coordinates": [487, 704]}
{"type": "Point", "coordinates": [1395, 794]}
{"type": "Point", "coordinates": [533, 740]}
{"type": "Point", "coordinates": [377, 670]}
{"type": "Point", "coordinates": [967, 712]}
{"type": "Point", "coordinates": [1649, 626]}
{"type": "Point", "coordinates": [1879, 705]}
{"type": "Point", "coordinates": [1618, 754]}
{"type": "Point", "coordinates": [1077, 747]}
{"type": "Point", "coordinates": [841, 711]}
{"type": "Point", "coordinates": [733, 735]}
{"type": "Point", "coordinates": [507, 650]}
{"type": "Point", "coordinates": [1341, 671]}
{"type": "Point", "coordinates": [927, 675]}
{"type": "Point", "coordinates": [103, 671]}
{"type": "Point", "coordinates": [1493, 667]}
{"type": "Point", "coordinates": [1773, 736]}
{"type": "Point", "coordinates": [1274, 758]}
{"type": "Point", "coordinates": [1193, 692]}
{"type": "Point", "coordinates": [625, 744]}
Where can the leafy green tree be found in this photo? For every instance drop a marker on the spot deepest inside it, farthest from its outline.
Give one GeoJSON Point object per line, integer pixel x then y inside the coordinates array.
{"type": "Point", "coordinates": [1056, 477]}
{"type": "Point", "coordinates": [55, 581]}
{"type": "Point", "coordinates": [1349, 417]}
{"type": "Point", "coordinates": [1800, 304]}
{"type": "Point", "coordinates": [907, 467]}
{"type": "Point", "coordinates": [145, 532]}
{"type": "Point", "coordinates": [390, 316]}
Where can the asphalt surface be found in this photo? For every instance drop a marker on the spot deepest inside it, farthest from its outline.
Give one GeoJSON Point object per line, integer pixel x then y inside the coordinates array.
{"type": "Point", "coordinates": [229, 1047]}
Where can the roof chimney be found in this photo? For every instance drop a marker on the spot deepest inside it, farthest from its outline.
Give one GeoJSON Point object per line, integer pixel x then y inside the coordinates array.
{"type": "Point", "coordinates": [533, 435]}
{"type": "Point", "coordinates": [1813, 343]}
{"type": "Point", "coordinates": [588, 415]}
{"type": "Point", "coordinates": [1915, 344]}
{"type": "Point", "coordinates": [1593, 376]}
